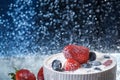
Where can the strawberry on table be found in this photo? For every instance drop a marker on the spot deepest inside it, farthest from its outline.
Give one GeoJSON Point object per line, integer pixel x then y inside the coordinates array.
{"type": "Point", "coordinates": [23, 74]}
{"type": "Point", "coordinates": [78, 53]}
{"type": "Point", "coordinates": [71, 65]}
{"type": "Point", "coordinates": [40, 75]}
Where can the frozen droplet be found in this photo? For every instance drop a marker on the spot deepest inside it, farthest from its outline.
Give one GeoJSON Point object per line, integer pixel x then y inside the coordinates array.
{"type": "Point", "coordinates": [98, 10]}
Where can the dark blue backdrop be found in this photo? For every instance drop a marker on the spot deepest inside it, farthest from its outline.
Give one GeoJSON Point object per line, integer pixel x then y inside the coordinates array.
{"type": "Point", "coordinates": [46, 26]}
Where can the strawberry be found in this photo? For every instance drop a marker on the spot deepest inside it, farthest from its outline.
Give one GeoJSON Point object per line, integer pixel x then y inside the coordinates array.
{"type": "Point", "coordinates": [107, 63]}
{"type": "Point", "coordinates": [25, 74]}
{"type": "Point", "coordinates": [78, 53]}
{"type": "Point", "coordinates": [40, 75]}
{"type": "Point", "coordinates": [22, 74]}
{"type": "Point", "coordinates": [71, 65]}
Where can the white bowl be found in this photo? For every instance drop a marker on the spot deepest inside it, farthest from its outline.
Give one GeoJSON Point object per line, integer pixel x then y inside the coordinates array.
{"type": "Point", "coordinates": [108, 73]}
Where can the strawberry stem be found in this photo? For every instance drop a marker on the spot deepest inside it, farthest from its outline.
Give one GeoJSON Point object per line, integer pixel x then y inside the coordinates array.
{"type": "Point", "coordinates": [15, 69]}
{"type": "Point", "coordinates": [12, 75]}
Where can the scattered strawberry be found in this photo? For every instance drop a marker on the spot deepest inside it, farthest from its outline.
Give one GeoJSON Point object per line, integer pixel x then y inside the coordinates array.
{"type": "Point", "coordinates": [71, 65]}
{"type": "Point", "coordinates": [78, 53]}
{"type": "Point", "coordinates": [23, 74]}
{"type": "Point", "coordinates": [40, 75]}
{"type": "Point", "coordinates": [107, 63]}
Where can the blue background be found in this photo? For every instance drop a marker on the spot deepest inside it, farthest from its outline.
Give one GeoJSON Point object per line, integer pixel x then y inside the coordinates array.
{"type": "Point", "coordinates": [46, 26]}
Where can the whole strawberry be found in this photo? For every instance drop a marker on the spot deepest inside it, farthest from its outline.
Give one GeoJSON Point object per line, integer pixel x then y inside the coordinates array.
{"type": "Point", "coordinates": [22, 74]}
{"type": "Point", "coordinates": [78, 53]}
{"type": "Point", "coordinates": [25, 74]}
{"type": "Point", "coordinates": [71, 65]}
{"type": "Point", "coordinates": [40, 75]}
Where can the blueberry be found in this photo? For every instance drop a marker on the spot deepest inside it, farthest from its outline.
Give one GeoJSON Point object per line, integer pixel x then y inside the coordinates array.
{"type": "Point", "coordinates": [92, 56]}
{"type": "Point", "coordinates": [87, 65]}
{"type": "Point", "coordinates": [56, 65]}
{"type": "Point", "coordinates": [61, 69]}
{"type": "Point", "coordinates": [96, 63]}
{"type": "Point", "coordinates": [106, 56]}
{"type": "Point", "coordinates": [97, 68]}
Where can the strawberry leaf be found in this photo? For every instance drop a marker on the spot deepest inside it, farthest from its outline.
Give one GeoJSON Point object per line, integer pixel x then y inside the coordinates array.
{"type": "Point", "coordinates": [12, 75]}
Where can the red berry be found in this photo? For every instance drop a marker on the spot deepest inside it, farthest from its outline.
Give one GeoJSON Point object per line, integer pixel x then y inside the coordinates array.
{"type": "Point", "coordinates": [24, 74]}
{"type": "Point", "coordinates": [107, 63]}
{"type": "Point", "coordinates": [71, 65]}
{"type": "Point", "coordinates": [40, 75]}
{"type": "Point", "coordinates": [78, 53]}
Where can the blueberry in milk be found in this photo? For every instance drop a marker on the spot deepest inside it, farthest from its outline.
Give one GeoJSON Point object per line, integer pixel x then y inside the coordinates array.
{"type": "Point", "coordinates": [97, 68]}
{"type": "Point", "coordinates": [92, 56]}
{"type": "Point", "coordinates": [106, 56]}
{"type": "Point", "coordinates": [96, 63]}
{"type": "Point", "coordinates": [87, 65]}
{"type": "Point", "coordinates": [56, 65]}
